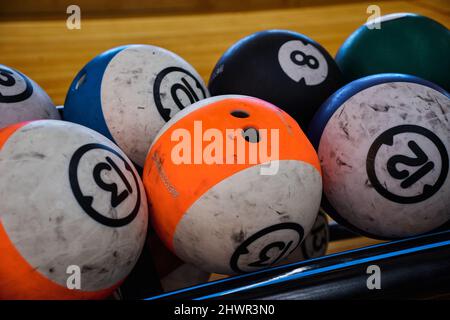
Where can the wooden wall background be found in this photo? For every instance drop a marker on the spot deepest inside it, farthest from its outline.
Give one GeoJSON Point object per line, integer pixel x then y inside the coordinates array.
{"type": "Point", "coordinates": [30, 9]}
{"type": "Point", "coordinates": [44, 49]}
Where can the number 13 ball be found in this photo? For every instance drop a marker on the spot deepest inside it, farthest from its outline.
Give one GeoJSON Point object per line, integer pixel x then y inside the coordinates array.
{"type": "Point", "coordinates": [221, 214]}
{"type": "Point", "coordinates": [384, 143]}
{"type": "Point", "coordinates": [128, 93]}
{"type": "Point", "coordinates": [73, 214]}
{"type": "Point", "coordinates": [283, 67]}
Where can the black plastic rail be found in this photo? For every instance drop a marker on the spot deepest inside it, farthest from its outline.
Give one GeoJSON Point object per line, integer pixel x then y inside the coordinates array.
{"type": "Point", "coordinates": [417, 267]}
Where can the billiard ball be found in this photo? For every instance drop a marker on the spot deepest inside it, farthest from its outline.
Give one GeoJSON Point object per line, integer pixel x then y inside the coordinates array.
{"type": "Point", "coordinates": [73, 212]}
{"type": "Point", "coordinates": [383, 143]}
{"type": "Point", "coordinates": [404, 43]}
{"type": "Point", "coordinates": [233, 184]}
{"type": "Point", "coordinates": [22, 99]}
{"type": "Point", "coordinates": [283, 67]}
{"type": "Point", "coordinates": [128, 93]}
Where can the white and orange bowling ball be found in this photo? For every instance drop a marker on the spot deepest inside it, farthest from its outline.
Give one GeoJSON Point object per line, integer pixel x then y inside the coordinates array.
{"type": "Point", "coordinates": [233, 184]}
{"type": "Point", "coordinates": [73, 212]}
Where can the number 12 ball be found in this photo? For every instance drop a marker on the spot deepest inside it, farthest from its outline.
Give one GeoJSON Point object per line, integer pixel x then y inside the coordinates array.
{"type": "Point", "coordinates": [383, 143]}
{"type": "Point", "coordinates": [283, 67]}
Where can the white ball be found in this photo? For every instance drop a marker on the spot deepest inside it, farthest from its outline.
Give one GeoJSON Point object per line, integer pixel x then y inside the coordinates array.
{"type": "Point", "coordinates": [22, 99]}
{"type": "Point", "coordinates": [128, 93]}
{"type": "Point", "coordinates": [70, 197]}
{"type": "Point", "coordinates": [385, 160]}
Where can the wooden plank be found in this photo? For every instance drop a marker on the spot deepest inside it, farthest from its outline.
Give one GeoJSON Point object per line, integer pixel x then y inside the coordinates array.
{"type": "Point", "coordinates": [441, 6]}
{"type": "Point", "coordinates": [52, 55]}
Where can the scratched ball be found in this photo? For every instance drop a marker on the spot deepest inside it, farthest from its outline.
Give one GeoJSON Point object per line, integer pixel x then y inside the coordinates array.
{"type": "Point", "coordinates": [283, 67]}
{"type": "Point", "coordinates": [234, 185]}
{"type": "Point", "coordinates": [128, 93]}
{"type": "Point", "coordinates": [73, 212]}
{"type": "Point", "coordinates": [383, 143]}
{"type": "Point", "coordinates": [22, 99]}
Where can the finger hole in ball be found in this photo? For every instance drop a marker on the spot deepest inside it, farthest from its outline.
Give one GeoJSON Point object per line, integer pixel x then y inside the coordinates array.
{"type": "Point", "coordinates": [239, 114]}
{"type": "Point", "coordinates": [251, 134]}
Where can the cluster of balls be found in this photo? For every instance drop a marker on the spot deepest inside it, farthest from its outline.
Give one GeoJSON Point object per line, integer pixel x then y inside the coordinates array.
{"type": "Point", "coordinates": [78, 193]}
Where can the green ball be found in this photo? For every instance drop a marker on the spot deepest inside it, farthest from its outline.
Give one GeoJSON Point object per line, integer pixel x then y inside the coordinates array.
{"type": "Point", "coordinates": [404, 43]}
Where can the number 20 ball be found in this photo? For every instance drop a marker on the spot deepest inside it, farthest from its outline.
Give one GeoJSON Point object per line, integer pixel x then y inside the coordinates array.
{"type": "Point", "coordinates": [128, 93]}
{"type": "Point", "coordinates": [286, 68]}
{"type": "Point", "coordinates": [383, 143]}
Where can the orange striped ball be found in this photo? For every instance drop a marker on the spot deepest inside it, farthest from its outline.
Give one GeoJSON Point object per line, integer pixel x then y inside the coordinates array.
{"type": "Point", "coordinates": [233, 183]}
{"type": "Point", "coordinates": [73, 212]}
